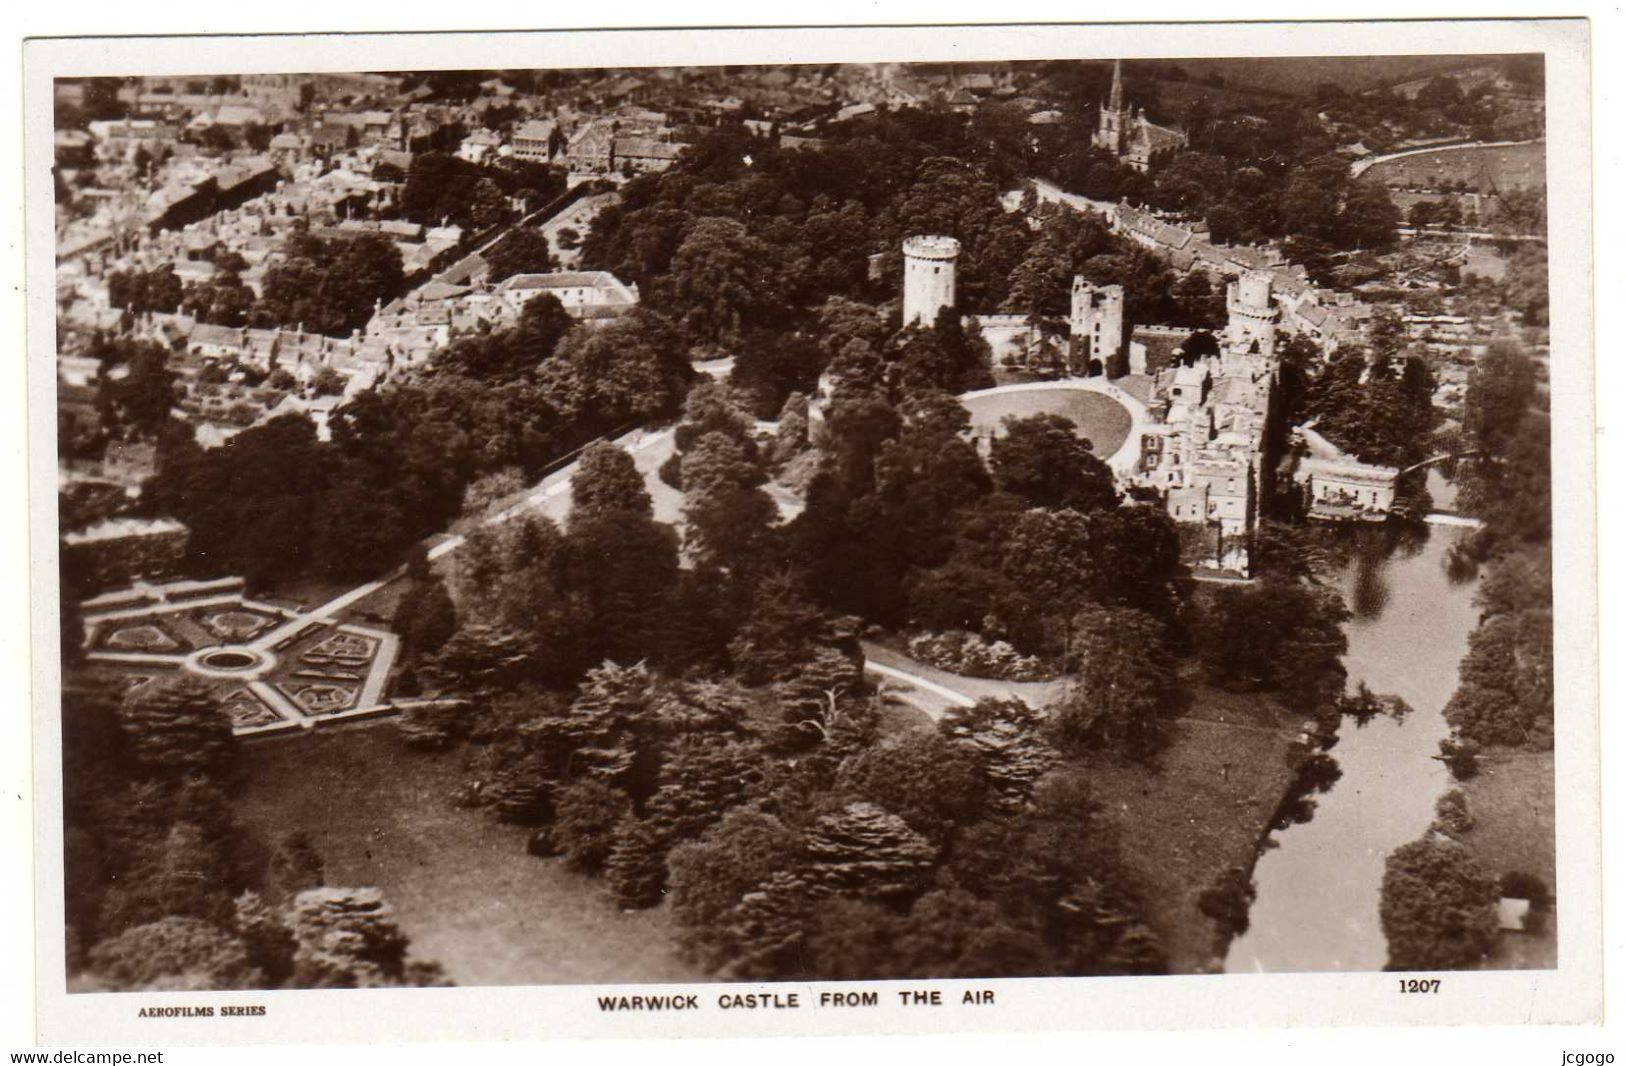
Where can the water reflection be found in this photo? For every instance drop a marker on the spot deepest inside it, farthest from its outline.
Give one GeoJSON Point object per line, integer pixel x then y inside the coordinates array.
{"type": "Point", "coordinates": [1320, 877]}
{"type": "Point", "coordinates": [1369, 550]}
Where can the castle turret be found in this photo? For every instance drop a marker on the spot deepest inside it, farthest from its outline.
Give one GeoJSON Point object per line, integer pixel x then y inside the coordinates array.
{"type": "Point", "coordinates": [1253, 314]}
{"type": "Point", "coordinates": [929, 263]}
{"type": "Point", "coordinates": [1097, 322]}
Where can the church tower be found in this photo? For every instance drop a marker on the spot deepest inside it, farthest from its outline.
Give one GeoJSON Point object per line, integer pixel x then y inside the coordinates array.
{"type": "Point", "coordinates": [1111, 130]}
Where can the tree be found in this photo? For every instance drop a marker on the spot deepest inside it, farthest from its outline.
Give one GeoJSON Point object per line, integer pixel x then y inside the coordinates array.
{"type": "Point", "coordinates": [523, 250]}
{"type": "Point", "coordinates": [1042, 460]}
{"type": "Point", "coordinates": [1006, 738]}
{"type": "Point", "coordinates": [588, 812]}
{"type": "Point", "coordinates": [608, 480]}
{"type": "Point", "coordinates": [142, 397]}
{"type": "Point", "coordinates": [180, 871]}
{"type": "Point", "coordinates": [296, 865]}
{"type": "Point", "coordinates": [177, 728]}
{"type": "Point", "coordinates": [426, 617]}
{"type": "Point", "coordinates": [145, 291]}
{"type": "Point", "coordinates": [348, 938]}
{"type": "Point", "coordinates": [633, 369]}
{"type": "Point", "coordinates": [864, 850]}
{"type": "Point", "coordinates": [725, 279]}
{"type": "Point", "coordinates": [174, 954]}
{"type": "Point", "coordinates": [946, 934]}
{"type": "Point", "coordinates": [622, 567]}
{"type": "Point", "coordinates": [927, 782]}
{"type": "Point", "coordinates": [1438, 906]}
{"type": "Point", "coordinates": [1286, 638]}
{"type": "Point", "coordinates": [701, 779]}
{"type": "Point", "coordinates": [330, 285]}
{"type": "Point", "coordinates": [710, 876]}
{"type": "Point", "coordinates": [1228, 900]}
{"type": "Point", "coordinates": [328, 382]}
{"type": "Point", "coordinates": [727, 516]}
{"type": "Point", "coordinates": [636, 866]}
{"type": "Point", "coordinates": [479, 657]}
{"type": "Point", "coordinates": [1370, 219]}
{"type": "Point", "coordinates": [1127, 689]}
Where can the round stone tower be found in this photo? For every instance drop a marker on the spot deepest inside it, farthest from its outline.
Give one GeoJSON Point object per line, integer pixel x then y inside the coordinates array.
{"type": "Point", "coordinates": [928, 278]}
{"type": "Point", "coordinates": [1253, 314]}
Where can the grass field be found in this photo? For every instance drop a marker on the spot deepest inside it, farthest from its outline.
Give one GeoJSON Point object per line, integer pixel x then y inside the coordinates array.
{"type": "Point", "coordinates": [1100, 419]}
{"type": "Point", "coordinates": [1485, 170]}
{"type": "Point", "coordinates": [1513, 803]}
{"type": "Point", "coordinates": [1219, 784]}
{"type": "Point", "coordinates": [1298, 75]}
{"type": "Point", "coordinates": [463, 887]}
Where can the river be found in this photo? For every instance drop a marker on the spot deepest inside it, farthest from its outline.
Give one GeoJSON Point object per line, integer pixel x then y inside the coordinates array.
{"type": "Point", "coordinates": [1319, 887]}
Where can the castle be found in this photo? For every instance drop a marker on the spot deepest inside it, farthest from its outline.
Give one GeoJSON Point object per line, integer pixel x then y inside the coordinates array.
{"type": "Point", "coordinates": [1203, 405]}
{"type": "Point", "coordinates": [1128, 134]}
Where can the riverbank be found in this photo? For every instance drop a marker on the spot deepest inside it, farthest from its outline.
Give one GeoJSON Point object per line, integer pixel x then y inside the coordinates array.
{"type": "Point", "coordinates": [462, 885]}
{"type": "Point", "coordinates": [1513, 803]}
{"type": "Point", "coordinates": [1319, 887]}
{"type": "Point", "coordinates": [1207, 808]}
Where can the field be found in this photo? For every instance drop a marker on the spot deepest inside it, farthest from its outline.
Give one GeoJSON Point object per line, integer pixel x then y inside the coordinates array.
{"type": "Point", "coordinates": [1513, 804]}
{"type": "Point", "coordinates": [1298, 75]}
{"type": "Point", "coordinates": [1100, 420]}
{"type": "Point", "coordinates": [1204, 810]}
{"type": "Point", "coordinates": [1484, 170]}
{"type": "Point", "coordinates": [462, 885]}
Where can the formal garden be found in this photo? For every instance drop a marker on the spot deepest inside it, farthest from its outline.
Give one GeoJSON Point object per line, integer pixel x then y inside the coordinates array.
{"type": "Point", "coordinates": [272, 665]}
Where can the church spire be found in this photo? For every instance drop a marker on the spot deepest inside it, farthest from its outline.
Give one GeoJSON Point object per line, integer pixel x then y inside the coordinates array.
{"type": "Point", "coordinates": [1116, 103]}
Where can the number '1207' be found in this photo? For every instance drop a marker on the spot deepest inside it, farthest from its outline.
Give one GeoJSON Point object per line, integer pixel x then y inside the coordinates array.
{"type": "Point", "coordinates": [1418, 984]}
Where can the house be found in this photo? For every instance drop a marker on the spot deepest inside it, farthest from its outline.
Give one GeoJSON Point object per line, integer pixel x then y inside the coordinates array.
{"type": "Point", "coordinates": [1339, 486]}
{"type": "Point", "coordinates": [533, 140]}
{"type": "Point", "coordinates": [585, 294]}
{"type": "Point", "coordinates": [643, 155]}
{"type": "Point", "coordinates": [479, 145]}
{"type": "Point", "coordinates": [117, 550]}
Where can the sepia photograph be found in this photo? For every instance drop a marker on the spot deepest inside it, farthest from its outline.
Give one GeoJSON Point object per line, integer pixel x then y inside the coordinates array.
{"type": "Point", "coordinates": [1074, 515]}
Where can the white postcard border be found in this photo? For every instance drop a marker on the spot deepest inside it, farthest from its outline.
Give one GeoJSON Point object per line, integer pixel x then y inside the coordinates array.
{"type": "Point", "coordinates": [1569, 994]}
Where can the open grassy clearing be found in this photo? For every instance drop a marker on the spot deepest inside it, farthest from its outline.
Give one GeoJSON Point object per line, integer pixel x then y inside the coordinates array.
{"type": "Point", "coordinates": [1485, 170]}
{"type": "Point", "coordinates": [463, 887]}
{"type": "Point", "coordinates": [1513, 803]}
{"type": "Point", "coordinates": [1099, 419]}
{"type": "Point", "coordinates": [1204, 809]}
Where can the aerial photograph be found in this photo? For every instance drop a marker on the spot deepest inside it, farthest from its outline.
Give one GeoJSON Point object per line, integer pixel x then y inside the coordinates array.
{"type": "Point", "coordinates": [1044, 518]}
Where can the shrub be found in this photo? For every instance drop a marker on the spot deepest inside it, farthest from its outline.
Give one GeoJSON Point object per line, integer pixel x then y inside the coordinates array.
{"type": "Point", "coordinates": [972, 655]}
{"type": "Point", "coordinates": [1452, 818]}
{"type": "Point", "coordinates": [588, 814]}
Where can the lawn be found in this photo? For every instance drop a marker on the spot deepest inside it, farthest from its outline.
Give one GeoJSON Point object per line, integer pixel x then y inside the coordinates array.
{"type": "Point", "coordinates": [1206, 809]}
{"type": "Point", "coordinates": [1484, 170]}
{"type": "Point", "coordinates": [463, 887]}
{"type": "Point", "coordinates": [1513, 804]}
{"type": "Point", "coordinates": [1099, 419]}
